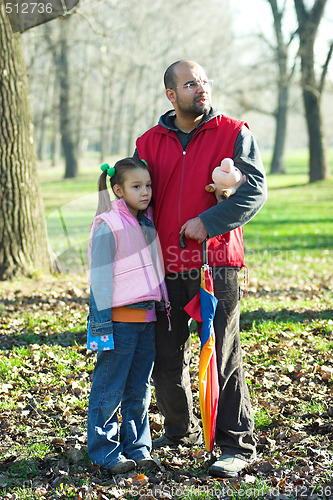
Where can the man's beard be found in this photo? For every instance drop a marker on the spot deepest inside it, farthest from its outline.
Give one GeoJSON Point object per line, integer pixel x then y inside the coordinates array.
{"type": "Point", "coordinates": [194, 109]}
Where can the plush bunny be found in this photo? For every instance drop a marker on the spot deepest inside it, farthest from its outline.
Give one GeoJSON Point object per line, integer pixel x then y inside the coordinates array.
{"type": "Point", "coordinates": [227, 178]}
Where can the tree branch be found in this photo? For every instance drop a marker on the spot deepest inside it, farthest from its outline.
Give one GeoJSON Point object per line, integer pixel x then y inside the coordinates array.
{"type": "Point", "coordinates": [317, 11]}
{"type": "Point", "coordinates": [95, 30]}
{"type": "Point", "coordinates": [325, 68]}
{"type": "Point", "coordinates": [301, 12]}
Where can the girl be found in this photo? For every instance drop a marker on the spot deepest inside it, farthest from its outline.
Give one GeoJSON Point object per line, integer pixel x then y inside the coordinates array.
{"type": "Point", "coordinates": [126, 285]}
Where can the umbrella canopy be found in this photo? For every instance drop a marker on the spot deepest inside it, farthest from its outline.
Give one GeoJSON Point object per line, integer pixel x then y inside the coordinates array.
{"type": "Point", "coordinates": [202, 308]}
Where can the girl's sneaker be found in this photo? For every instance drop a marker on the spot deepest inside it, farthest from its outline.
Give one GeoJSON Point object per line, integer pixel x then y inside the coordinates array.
{"type": "Point", "coordinates": [147, 463]}
{"type": "Point", "coordinates": [124, 465]}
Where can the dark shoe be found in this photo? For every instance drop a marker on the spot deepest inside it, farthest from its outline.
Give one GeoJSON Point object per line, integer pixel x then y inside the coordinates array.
{"type": "Point", "coordinates": [147, 463]}
{"type": "Point", "coordinates": [124, 465]}
{"type": "Point", "coordinates": [163, 441]}
{"type": "Point", "coordinates": [227, 466]}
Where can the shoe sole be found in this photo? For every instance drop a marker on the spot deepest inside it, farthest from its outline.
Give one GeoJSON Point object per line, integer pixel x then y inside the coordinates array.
{"type": "Point", "coordinates": [121, 470]}
{"type": "Point", "coordinates": [223, 474]}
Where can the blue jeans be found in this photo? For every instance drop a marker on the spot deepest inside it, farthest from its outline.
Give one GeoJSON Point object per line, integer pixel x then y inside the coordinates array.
{"type": "Point", "coordinates": [122, 376]}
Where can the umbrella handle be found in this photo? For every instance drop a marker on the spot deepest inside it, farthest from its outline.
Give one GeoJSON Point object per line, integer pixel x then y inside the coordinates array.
{"type": "Point", "coordinates": [181, 240]}
{"type": "Point", "coordinates": [204, 247]}
{"type": "Point", "coordinates": [204, 253]}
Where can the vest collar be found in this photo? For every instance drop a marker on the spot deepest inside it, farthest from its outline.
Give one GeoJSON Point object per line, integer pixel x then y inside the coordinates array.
{"type": "Point", "coordinates": [167, 121]}
{"type": "Point", "coordinates": [119, 206]}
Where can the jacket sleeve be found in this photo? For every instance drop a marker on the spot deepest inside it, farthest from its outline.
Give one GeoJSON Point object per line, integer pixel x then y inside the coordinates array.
{"type": "Point", "coordinates": [239, 208]}
{"type": "Point", "coordinates": [102, 255]}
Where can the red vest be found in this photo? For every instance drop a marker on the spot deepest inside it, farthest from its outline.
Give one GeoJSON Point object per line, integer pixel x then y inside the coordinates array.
{"type": "Point", "coordinates": [179, 179]}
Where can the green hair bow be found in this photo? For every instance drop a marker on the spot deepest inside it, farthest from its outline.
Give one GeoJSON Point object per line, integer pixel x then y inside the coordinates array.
{"type": "Point", "coordinates": [109, 170]}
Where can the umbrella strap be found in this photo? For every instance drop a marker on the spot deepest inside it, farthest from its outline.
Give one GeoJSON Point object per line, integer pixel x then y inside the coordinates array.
{"type": "Point", "coordinates": [204, 252]}
{"type": "Point", "coordinates": [168, 311]}
{"type": "Point", "coordinates": [246, 281]}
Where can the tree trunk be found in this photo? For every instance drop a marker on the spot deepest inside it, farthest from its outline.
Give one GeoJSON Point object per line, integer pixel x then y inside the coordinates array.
{"type": "Point", "coordinates": [46, 99]}
{"type": "Point", "coordinates": [55, 146]}
{"type": "Point", "coordinates": [80, 91]}
{"type": "Point", "coordinates": [317, 149]}
{"type": "Point", "coordinates": [66, 125]}
{"type": "Point", "coordinates": [104, 114]}
{"type": "Point", "coordinates": [308, 23]}
{"type": "Point", "coordinates": [23, 240]}
{"type": "Point", "coordinates": [132, 119]}
{"type": "Point", "coordinates": [277, 165]}
{"type": "Point", "coordinates": [117, 124]}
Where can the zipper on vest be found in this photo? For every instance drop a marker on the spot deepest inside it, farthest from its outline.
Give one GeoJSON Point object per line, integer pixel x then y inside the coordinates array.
{"type": "Point", "coordinates": [181, 187]}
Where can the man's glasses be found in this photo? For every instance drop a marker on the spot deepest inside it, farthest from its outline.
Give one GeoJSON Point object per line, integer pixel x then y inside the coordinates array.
{"type": "Point", "coordinates": [195, 84]}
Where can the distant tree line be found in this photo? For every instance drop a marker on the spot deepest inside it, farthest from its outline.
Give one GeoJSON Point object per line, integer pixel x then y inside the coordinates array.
{"type": "Point", "coordinates": [95, 78]}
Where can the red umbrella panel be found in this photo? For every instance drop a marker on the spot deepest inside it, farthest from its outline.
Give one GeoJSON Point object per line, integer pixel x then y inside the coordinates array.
{"type": "Point", "coordinates": [202, 308]}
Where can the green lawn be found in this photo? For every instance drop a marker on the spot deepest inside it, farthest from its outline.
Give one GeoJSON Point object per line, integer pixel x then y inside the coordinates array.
{"type": "Point", "coordinates": [286, 332]}
{"type": "Point", "coordinates": [291, 235]}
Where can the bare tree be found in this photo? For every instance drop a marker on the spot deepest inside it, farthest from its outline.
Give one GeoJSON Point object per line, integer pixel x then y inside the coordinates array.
{"type": "Point", "coordinates": [312, 88]}
{"type": "Point", "coordinates": [66, 122]}
{"type": "Point", "coordinates": [128, 46]}
{"type": "Point", "coordinates": [23, 240]}
{"type": "Point", "coordinates": [281, 113]}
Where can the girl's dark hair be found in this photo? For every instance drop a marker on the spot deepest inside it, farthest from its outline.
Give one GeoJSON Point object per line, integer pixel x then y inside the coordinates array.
{"type": "Point", "coordinates": [121, 167]}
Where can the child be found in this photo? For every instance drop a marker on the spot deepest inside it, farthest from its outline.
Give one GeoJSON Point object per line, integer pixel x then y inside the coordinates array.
{"type": "Point", "coordinates": [126, 284]}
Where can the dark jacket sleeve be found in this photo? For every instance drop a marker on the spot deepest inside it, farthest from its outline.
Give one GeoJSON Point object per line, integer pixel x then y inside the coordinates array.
{"type": "Point", "coordinates": [239, 208]}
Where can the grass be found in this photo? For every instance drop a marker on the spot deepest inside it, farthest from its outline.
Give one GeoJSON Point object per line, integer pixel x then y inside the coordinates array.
{"type": "Point", "coordinates": [291, 236]}
{"type": "Point", "coordinates": [262, 419]}
{"type": "Point", "coordinates": [286, 326]}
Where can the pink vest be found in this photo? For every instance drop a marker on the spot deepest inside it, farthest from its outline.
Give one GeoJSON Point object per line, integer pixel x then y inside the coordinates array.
{"type": "Point", "coordinates": [135, 277]}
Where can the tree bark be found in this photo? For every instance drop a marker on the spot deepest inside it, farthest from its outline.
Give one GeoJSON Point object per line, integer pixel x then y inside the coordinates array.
{"type": "Point", "coordinates": [104, 115]}
{"type": "Point", "coordinates": [308, 23]}
{"type": "Point", "coordinates": [42, 127]}
{"type": "Point", "coordinates": [277, 165]}
{"type": "Point", "coordinates": [23, 239]}
{"type": "Point", "coordinates": [66, 124]}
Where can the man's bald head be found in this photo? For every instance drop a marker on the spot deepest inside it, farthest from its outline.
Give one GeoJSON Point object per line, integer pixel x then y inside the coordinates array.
{"type": "Point", "coordinates": [170, 75]}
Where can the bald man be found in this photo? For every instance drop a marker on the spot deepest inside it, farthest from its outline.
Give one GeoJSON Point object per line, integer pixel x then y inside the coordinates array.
{"type": "Point", "coordinates": [182, 151]}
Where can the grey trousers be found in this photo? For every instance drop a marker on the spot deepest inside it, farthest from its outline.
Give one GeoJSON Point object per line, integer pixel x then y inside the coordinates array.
{"type": "Point", "coordinates": [171, 375]}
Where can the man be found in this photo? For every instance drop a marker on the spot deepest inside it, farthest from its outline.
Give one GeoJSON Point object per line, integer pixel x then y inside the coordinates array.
{"type": "Point", "coordinates": [181, 152]}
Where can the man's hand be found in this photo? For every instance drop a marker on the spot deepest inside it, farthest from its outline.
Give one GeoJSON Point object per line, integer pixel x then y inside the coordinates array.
{"type": "Point", "coordinates": [194, 230]}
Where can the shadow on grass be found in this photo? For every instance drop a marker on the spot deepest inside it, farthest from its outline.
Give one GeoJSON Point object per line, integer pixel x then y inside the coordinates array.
{"type": "Point", "coordinates": [284, 316]}
{"type": "Point", "coordinates": [17, 473]}
{"type": "Point", "coordinates": [298, 240]}
{"type": "Point", "coordinates": [40, 300]}
{"type": "Point", "coordinates": [76, 339]}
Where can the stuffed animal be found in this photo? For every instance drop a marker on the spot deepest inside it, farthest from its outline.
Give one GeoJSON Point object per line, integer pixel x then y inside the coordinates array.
{"type": "Point", "coordinates": [227, 178]}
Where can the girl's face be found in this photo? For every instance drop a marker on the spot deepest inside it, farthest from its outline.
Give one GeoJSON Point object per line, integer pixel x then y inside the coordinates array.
{"type": "Point", "coordinates": [136, 190]}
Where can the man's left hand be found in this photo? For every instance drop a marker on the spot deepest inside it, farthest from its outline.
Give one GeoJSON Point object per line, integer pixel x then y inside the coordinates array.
{"type": "Point", "coordinates": [194, 230]}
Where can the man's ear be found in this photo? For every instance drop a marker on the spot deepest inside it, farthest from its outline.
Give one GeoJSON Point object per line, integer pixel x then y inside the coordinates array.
{"type": "Point", "coordinates": [117, 191]}
{"type": "Point", "coordinates": [171, 95]}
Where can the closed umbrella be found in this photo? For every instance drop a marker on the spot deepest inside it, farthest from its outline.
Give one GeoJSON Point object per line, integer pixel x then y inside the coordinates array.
{"type": "Point", "coordinates": [202, 309]}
